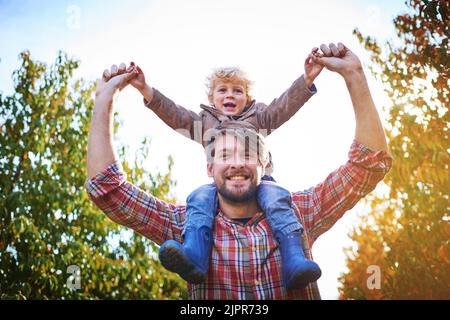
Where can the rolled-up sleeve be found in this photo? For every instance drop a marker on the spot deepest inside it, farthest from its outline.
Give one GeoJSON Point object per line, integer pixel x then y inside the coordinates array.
{"type": "Point", "coordinates": [320, 207]}
{"type": "Point", "coordinates": [128, 205]}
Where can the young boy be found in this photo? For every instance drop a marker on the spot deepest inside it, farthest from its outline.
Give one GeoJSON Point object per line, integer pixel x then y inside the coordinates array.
{"type": "Point", "coordinates": [231, 103]}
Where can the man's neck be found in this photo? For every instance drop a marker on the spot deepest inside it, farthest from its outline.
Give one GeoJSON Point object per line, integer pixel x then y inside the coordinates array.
{"type": "Point", "coordinates": [235, 210]}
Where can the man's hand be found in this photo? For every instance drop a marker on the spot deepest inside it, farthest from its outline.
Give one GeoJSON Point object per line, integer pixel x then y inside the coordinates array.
{"type": "Point", "coordinates": [114, 80]}
{"type": "Point", "coordinates": [137, 80]}
{"type": "Point", "coordinates": [312, 69]}
{"type": "Point", "coordinates": [338, 59]}
{"type": "Point", "coordinates": [369, 129]}
{"type": "Point", "coordinates": [101, 152]}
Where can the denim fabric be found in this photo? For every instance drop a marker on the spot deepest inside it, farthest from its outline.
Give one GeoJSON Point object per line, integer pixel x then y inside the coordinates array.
{"type": "Point", "coordinates": [275, 201]}
{"type": "Point", "coordinates": [201, 207]}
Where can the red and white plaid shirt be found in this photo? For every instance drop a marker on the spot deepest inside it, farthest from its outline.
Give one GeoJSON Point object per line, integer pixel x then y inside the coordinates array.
{"type": "Point", "coordinates": [245, 261]}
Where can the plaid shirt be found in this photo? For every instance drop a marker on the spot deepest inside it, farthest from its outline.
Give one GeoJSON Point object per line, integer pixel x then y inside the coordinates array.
{"type": "Point", "coordinates": [245, 261]}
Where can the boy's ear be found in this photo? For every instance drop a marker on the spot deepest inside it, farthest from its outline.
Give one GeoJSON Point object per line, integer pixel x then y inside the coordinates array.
{"type": "Point", "coordinates": [209, 170]}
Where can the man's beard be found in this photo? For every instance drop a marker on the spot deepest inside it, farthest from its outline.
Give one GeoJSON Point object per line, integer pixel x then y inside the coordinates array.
{"type": "Point", "coordinates": [240, 197]}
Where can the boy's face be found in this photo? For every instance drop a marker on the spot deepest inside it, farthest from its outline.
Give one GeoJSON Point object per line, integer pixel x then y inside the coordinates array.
{"type": "Point", "coordinates": [229, 96]}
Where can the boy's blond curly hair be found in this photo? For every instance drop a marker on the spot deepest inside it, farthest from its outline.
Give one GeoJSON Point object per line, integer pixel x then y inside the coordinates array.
{"type": "Point", "coordinates": [228, 74]}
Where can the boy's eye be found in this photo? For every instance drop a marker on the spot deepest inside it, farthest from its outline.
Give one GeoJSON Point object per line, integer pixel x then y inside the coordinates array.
{"type": "Point", "coordinates": [222, 90]}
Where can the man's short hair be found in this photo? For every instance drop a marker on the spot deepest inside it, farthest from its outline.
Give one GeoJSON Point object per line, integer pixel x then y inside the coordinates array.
{"type": "Point", "coordinates": [253, 141]}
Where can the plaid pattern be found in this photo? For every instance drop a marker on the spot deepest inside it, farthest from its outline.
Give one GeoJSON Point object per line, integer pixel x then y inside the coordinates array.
{"type": "Point", "coordinates": [245, 260]}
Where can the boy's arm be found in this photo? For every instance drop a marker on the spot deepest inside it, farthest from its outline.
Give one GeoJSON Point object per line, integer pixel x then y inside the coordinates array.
{"type": "Point", "coordinates": [184, 121]}
{"type": "Point", "coordinates": [283, 108]}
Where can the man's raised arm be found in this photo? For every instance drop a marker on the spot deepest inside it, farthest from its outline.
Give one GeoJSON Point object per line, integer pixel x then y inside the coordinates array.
{"type": "Point", "coordinates": [107, 186]}
{"type": "Point", "coordinates": [100, 151]}
{"type": "Point", "coordinates": [369, 130]}
{"type": "Point", "coordinates": [368, 162]}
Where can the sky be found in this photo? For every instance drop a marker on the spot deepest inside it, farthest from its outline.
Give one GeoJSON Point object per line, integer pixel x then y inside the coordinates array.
{"type": "Point", "coordinates": [177, 44]}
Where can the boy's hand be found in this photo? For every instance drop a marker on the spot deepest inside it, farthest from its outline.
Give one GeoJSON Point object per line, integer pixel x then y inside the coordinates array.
{"type": "Point", "coordinates": [139, 81]}
{"type": "Point", "coordinates": [312, 69]}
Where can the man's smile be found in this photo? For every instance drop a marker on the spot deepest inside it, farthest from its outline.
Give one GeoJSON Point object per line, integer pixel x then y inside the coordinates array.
{"type": "Point", "coordinates": [238, 180]}
{"type": "Point", "coordinates": [237, 176]}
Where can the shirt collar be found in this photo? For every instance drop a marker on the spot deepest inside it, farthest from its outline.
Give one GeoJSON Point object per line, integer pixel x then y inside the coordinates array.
{"type": "Point", "coordinates": [254, 220]}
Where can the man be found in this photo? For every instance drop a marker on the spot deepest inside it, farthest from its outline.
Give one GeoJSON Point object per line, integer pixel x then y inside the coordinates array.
{"type": "Point", "coordinates": [245, 261]}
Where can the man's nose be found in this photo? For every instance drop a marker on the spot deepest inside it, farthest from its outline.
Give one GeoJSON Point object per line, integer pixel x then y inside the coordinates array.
{"type": "Point", "coordinates": [238, 162]}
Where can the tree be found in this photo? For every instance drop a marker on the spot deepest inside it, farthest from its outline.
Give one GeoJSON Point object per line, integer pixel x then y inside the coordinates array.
{"type": "Point", "coordinates": [407, 232]}
{"type": "Point", "coordinates": [47, 221]}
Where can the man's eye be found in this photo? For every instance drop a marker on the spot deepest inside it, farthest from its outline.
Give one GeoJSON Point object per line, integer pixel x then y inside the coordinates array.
{"type": "Point", "coordinates": [250, 156]}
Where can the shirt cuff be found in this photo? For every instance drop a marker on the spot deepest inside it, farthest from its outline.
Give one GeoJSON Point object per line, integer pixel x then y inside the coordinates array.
{"type": "Point", "coordinates": [156, 100]}
{"type": "Point", "coordinates": [301, 85]}
{"type": "Point", "coordinates": [107, 180]}
{"type": "Point", "coordinates": [313, 88]}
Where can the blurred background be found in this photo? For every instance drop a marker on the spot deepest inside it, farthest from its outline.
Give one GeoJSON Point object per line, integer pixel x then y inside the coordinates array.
{"type": "Point", "coordinates": [55, 244]}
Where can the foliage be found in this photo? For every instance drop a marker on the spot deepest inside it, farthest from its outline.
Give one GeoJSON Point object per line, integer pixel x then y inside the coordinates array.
{"type": "Point", "coordinates": [407, 231]}
{"type": "Point", "coordinates": [47, 221]}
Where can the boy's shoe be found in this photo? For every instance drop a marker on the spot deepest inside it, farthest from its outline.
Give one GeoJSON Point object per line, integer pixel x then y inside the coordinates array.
{"type": "Point", "coordinates": [297, 271]}
{"type": "Point", "coordinates": [191, 258]}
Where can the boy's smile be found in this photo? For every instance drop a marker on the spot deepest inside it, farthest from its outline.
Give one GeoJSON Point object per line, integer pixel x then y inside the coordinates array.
{"type": "Point", "coordinates": [229, 96]}
{"type": "Point", "coordinates": [229, 107]}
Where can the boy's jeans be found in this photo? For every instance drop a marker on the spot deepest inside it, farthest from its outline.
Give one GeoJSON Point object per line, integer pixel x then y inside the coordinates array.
{"type": "Point", "coordinates": [201, 207]}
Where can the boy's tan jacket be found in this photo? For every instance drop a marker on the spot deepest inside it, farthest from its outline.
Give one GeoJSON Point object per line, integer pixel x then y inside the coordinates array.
{"type": "Point", "coordinates": [256, 115]}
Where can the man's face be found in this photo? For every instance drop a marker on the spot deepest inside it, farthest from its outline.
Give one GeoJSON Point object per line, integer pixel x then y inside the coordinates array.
{"type": "Point", "coordinates": [230, 97]}
{"type": "Point", "coordinates": [235, 170]}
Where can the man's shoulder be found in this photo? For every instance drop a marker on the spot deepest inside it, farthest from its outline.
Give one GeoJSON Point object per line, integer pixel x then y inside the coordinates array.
{"type": "Point", "coordinates": [302, 198]}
